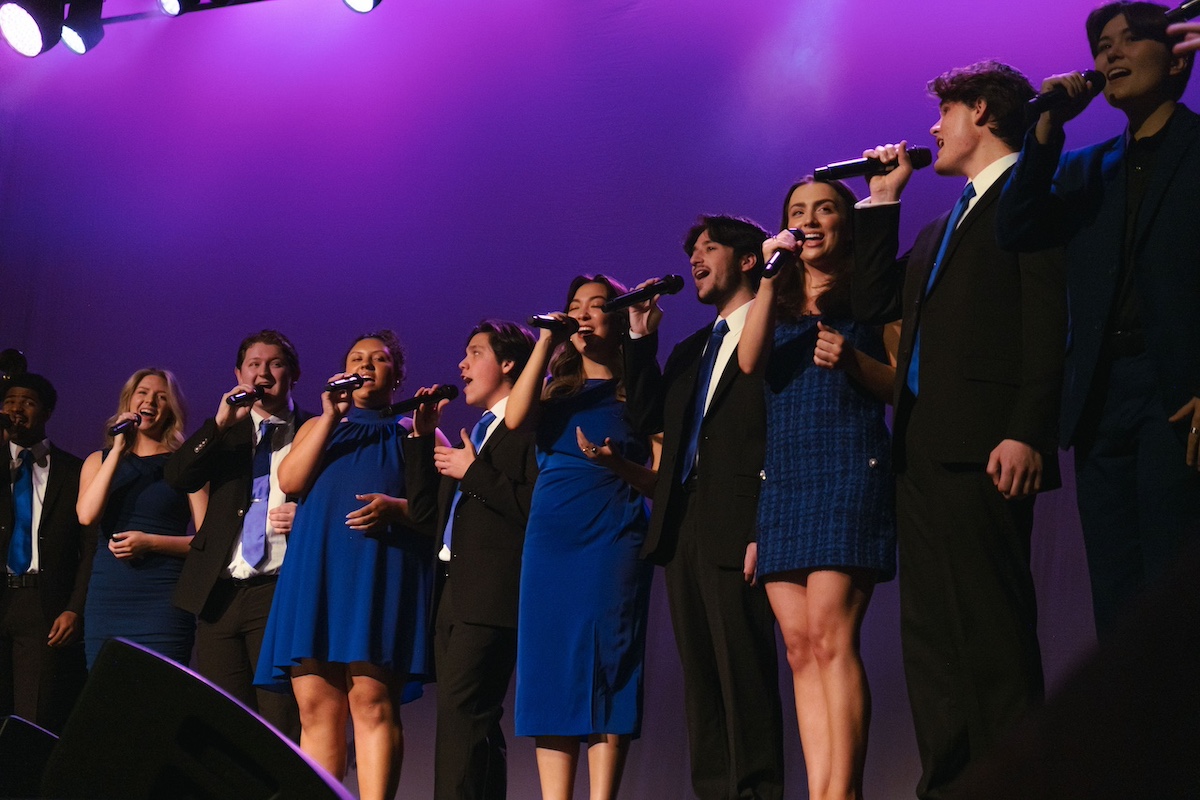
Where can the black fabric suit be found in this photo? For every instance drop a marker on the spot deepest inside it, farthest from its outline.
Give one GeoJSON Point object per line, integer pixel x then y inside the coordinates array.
{"type": "Point", "coordinates": [723, 628]}
{"type": "Point", "coordinates": [237, 615]}
{"type": "Point", "coordinates": [65, 552]}
{"type": "Point", "coordinates": [475, 639]}
{"type": "Point", "coordinates": [992, 338]}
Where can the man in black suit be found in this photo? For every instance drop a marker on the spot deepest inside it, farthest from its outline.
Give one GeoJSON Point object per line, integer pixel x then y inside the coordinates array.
{"type": "Point", "coordinates": [48, 562]}
{"type": "Point", "coordinates": [702, 526]}
{"type": "Point", "coordinates": [480, 503]}
{"type": "Point", "coordinates": [229, 575]}
{"type": "Point", "coordinates": [976, 405]}
{"type": "Point", "coordinates": [1126, 211]}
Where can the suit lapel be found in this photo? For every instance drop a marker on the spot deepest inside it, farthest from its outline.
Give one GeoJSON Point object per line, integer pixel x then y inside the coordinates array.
{"type": "Point", "coordinates": [1181, 137]}
{"type": "Point", "coordinates": [54, 484]}
{"type": "Point", "coordinates": [973, 218]}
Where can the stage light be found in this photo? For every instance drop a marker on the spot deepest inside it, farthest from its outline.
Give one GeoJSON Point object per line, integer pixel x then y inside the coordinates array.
{"type": "Point", "coordinates": [31, 27]}
{"type": "Point", "coordinates": [362, 6]}
{"type": "Point", "coordinates": [83, 29]}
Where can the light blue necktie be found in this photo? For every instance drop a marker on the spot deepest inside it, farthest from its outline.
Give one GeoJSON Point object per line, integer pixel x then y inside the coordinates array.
{"type": "Point", "coordinates": [478, 434]}
{"type": "Point", "coordinates": [960, 208]}
{"type": "Point", "coordinates": [254, 525]}
{"type": "Point", "coordinates": [703, 380]}
{"type": "Point", "coordinates": [20, 547]}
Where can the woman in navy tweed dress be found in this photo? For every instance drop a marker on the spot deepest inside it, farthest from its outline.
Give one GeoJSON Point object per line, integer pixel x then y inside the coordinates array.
{"type": "Point", "coordinates": [826, 521]}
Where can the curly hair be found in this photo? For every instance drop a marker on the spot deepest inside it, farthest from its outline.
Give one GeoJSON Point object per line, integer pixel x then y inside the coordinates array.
{"type": "Point", "coordinates": [1006, 90]}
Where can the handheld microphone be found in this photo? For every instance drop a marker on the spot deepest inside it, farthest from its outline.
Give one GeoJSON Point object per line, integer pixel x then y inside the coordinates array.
{"type": "Point", "coordinates": [778, 258]}
{"type": "Point", "coordinates": [346, 384]}
{"type": "Point", "coordinates": [446, 391]}
{"type": "Point", "coordinates": [567, 325]}
{"type": "Point", "coordinates": [126, 427]}
{"type": "Point", "coordinates": [1057, 96]}
{"type": "Point", "coordinates": [246, 398]}
{"type": "Point", "coordinates": [671, 284]}
{"type": "Point", "coordinates": [1186, 11]}
{"type": "Point", "coordinates": [866, 167]}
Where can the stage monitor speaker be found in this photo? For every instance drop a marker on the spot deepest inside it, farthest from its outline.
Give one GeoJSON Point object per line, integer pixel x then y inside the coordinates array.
{"type": "Point", "coordinates": [146, 727]}
{"type": "Point", "coordinates": [24, 750]}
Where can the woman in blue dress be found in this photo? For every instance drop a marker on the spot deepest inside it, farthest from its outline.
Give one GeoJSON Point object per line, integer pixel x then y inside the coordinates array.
{"type": "Point", "coordinates": [348, 624]}
{"type": "Point", "coordinates": [143, 523]}
{"type": "Point", "coordinates": [826, 521]}
{"type": "Point", "coordinates": [584, 592]}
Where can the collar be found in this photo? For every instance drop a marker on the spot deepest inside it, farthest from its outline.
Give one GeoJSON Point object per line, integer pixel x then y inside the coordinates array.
{"type": "Point", "coordinates": [286, 419]}
{"type": "Point", "coordinates": [991, 173]}
{"type": "Point", "coordinates": [500, 407]}
{"type": "Point", "coordinates": [736, 319]}
{"type": "Point", "coordinates": [41, 452]}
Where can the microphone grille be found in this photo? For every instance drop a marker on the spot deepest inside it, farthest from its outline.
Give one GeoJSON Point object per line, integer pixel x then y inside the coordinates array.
{"type": "Point", "coordinates": [921, 157]}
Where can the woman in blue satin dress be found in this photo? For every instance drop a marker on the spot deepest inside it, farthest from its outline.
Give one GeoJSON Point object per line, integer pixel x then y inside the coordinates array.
{"type": "Point", "coordinates": [826, 518]}
{"type": "Point", "coordinates": [349, 622]}
{"type": "Point", "coordinates": [143, 523]}
{"type": "Point", "coordinates": [584, 591]}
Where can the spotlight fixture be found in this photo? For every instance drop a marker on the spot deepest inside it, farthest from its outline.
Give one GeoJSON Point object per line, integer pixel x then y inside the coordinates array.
{"type": "Point", "coordinates": [362, 6]}
{"type": "Point", "coordinates": [31, 27]}
{"type": "Point", "coordinates": [83, 29]}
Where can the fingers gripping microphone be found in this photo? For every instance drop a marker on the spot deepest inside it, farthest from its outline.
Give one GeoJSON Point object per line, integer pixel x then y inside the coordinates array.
{"type": "Point", "coordinates": [126, 427]}
{"type": "Point", "coordinates": [446, 391]}
{"type": "Point", "coordinates": [1057, 96]}
{"type": "Point", "coordinates": [779, 257]}
{"type": "Point", "coordinates": [346, 384]}
{"type": "Point", "coordinates": [866, 167]}
{"type": "Point", "coordinates": [554, 324]}
{"type": "Point", "coordinates": [246, 398]}
{"type": "Point", "coordinates": [671, 284]}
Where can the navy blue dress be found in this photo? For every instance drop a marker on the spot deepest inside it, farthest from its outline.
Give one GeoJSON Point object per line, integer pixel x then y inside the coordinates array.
{"type": "Point", "coordinates": [581, 639]}
{"type": "Point", "coordinates": [343, 595]}
{"type": "Point", "coordinates": [827, 497]}
{"type": "Point", "coordinates": [131, 597]}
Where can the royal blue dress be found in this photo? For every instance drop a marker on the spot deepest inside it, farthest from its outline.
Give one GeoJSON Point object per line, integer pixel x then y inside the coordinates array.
{"type": "Point", "coordinates": [343, 595]}
{"type": "Point", "coordinates": [131, 597]}
{"type": "Point", "coordinates": [827, 493]}
{"type": "Point", "coordinates": [581, 637]}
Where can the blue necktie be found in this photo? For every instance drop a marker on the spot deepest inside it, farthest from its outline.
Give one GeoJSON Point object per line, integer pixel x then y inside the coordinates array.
{"type": "Point", "coordinates": [478, 434]}
{"type": "Point", "coordinates": [960, 208]}
{"type": "Point", "coordinates": [703, 380]}
{"type": "Point", "coordinates": [254, 525]}
{"type": "Point", "coordinates": [20, 548]}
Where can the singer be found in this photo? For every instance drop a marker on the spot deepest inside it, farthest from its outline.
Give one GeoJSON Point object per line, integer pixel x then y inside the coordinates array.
{"type": "Point", "coordinates": [478, 496]}
{"type": "Point", "coordinates": [585, 593]}
{"type": "Point", "coordinates": [348, 625]}
{"type": "Point", "coordinates": [976, 396]}
{"type": "Point", "coordinates": [228, 579]}
{"type": "Point", "coordinates": [1125, 210]}
{"type": "Point", "coordinates": [703, 523]}
{"type": "Point", "coordinates": [827, 525]}
{"type": "Point", "coordinates": [143, 523]}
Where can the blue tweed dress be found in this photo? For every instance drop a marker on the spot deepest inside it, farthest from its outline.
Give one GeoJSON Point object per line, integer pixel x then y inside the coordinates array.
{"type": "Point", "coordinates": [827, 497]}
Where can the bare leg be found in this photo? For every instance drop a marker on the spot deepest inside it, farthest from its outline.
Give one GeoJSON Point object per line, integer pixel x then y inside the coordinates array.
{"type": "Point", "coordinates": [557, 758]}
{"type": "Point", "coordinates": [606, 763]}
{"type": "Point", "coordinates": [320, 690]}
{"type": "Point", "coordinates": [378, 737]}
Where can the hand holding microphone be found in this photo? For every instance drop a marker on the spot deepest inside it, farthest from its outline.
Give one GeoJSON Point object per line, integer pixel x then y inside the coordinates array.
{"type": "Point", "coordinates": [1062, 98]}
{"type": "Point", "coordinates": [896, 167]}
{"type": "Point", "coordinates": [237, 403]}
{"type": "Point", "coordinates": [782, 250]}
{"type": "Point", "coordinates": [125, 427]}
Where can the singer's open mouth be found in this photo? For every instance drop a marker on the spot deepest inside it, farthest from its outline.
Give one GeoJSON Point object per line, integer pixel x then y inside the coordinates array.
{"type": "Point", "coordinates": [1116, 74]}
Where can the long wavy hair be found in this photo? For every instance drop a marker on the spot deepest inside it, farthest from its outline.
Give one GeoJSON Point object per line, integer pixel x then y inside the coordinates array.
{"type": "Point", "coordinates": [566, 367]}
{"type": "Point", "coordinates": [176, 406]}
{"type": "Point", "coordinates": [790, 299]}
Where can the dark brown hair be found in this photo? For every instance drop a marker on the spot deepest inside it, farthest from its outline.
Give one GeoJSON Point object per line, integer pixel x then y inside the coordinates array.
{"type": "Point", "coordinates": [1005, 89]}
{"type": "Point", "coordinates": [566, 367]}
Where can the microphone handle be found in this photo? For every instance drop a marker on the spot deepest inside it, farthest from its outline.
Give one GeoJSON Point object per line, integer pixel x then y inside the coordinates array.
{"type": "Point", "coordinates": [346, 384]}
{"type": "Point", "coordinates": [446, 391]}
{"type": "Point", "coordinates": [671, 284]}
{"type": "Point", "coordinates": [779, 257]}
{"type": "Point", "coordinates": [554, 324]}
{"type": "Point", "coordinates": [1185, 12]}
{"type": "Point", "coordinates": [126, 427]}
{"type": "Point", "coordinates": [245, 398]}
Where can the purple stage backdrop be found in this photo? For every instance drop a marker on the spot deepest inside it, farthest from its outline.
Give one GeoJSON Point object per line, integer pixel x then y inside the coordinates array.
{"type": "Point", "coordinates": [293, 164]}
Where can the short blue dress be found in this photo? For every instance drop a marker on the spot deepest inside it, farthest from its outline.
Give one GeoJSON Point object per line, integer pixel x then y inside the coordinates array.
{"type": "Point", "coordinates": [345, 596]}
{"type": "Point", "coordinates": [581, 637]}
{"type": "Point", "coordinates": [827, 497]}
{"type": "Point", "coordinates": [131, 597]}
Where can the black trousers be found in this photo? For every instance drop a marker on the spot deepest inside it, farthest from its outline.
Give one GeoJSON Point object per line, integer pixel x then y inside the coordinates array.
{"type": "Point", "coordinates": [725, 633]}
{"type": "Point", "coordinates": [229, 636]}
{"type": "Point", "coordinates": [475, 665]}
{"type": "Point", "coordinates": [1139, 502]}
{"type": "Point", "coordinates": [968, 616]}
{"type": "Point", "coordinates": [38, 683]}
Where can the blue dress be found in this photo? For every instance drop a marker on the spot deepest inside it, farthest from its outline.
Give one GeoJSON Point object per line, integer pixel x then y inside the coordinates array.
{"type": "Point", "coordinates": [131, 597]}
{"type": "Point", "coordinates": [827, 493]}
{"type": "Point", "coordinates": [345, 596]}
{"type": "Point", "coordinates": [585, 593]}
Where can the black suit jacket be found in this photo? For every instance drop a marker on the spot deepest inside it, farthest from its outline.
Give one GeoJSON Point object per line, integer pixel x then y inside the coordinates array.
{"type": "Point", "coordinates": [1080, 201]}
{"type": "Point", "coordinates": [489, 521]}
{"type": "Point", "coordinates": [225, 461]}
{"type": "Point", "coordinates": [65, 548]}
{"type": "Point", "coordinates": [993, 330]}
{"type": "Point", "coordinates": [732, 441]}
